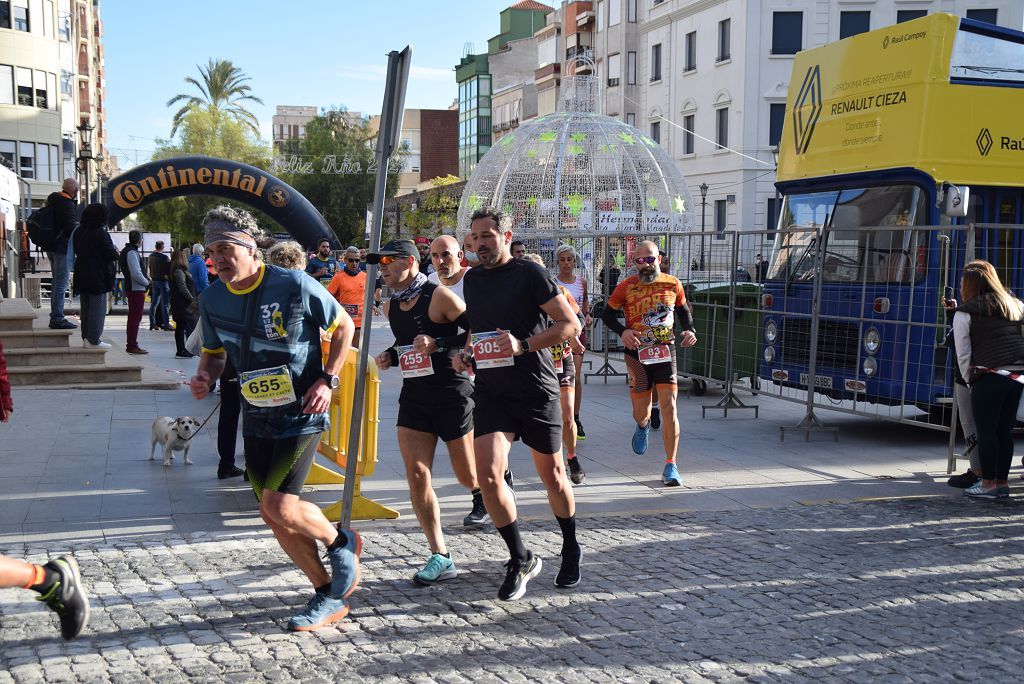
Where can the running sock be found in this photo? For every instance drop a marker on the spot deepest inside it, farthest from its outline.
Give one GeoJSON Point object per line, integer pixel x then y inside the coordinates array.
{"type": "Point", "coordinates": [475, 492]}
{"type": "Point", "coordinates": [514, 542]}
{"type": "Point", "coordinates": [569, 456]}
{"type": "Point", "coordinates": [339, 542]}
{"type": "Point", "coordinates": [568, 526]}
{"type": "Point", "coordinates": [325, 590]}
{"type": "Point", "coordinates": [669, 460]}
{"type": "Point", "coordinates": [44, 579]}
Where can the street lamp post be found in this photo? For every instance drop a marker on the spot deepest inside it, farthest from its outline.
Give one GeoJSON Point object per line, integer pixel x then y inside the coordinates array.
{"type": "Point", "coordinates": [703, 213]}
{"type": "Point", "coordinates": [85, 130]}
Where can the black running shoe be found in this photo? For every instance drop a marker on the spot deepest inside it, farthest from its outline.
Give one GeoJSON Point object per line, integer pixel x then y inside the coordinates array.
{"type": "Point", "coordinates": [963, 480]}
{"type": "Point", "coordinates": [580, 434]}
{"type": "Point", "coordinates": [576, 473]}
{"type": "Point", "coordinates": [517, 574]}
{"type": "Point", "coordinates": [67, 598]}
{"type": "Point", "coordinates": [478, 516]}
{"type": "Point", "coordinates": [569, 573]}
{"type": "Point", "coordinates": [510, 480]}
{"type": "Point", "coordinates": [228, 472]}
{"type": "Point", "coordinates": [655, 418]}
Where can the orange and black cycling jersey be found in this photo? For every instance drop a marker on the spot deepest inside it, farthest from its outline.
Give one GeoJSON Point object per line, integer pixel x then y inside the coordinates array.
{"type": "Point", "coordinates": [650, 308]}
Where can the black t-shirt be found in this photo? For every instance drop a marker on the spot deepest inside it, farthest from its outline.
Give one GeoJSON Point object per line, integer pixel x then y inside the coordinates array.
{"type": "Point", "coordinates": [509, 297]}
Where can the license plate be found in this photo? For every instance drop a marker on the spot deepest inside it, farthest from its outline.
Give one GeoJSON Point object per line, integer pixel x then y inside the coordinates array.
{"type": "Point", "coordinates": [823, 381]}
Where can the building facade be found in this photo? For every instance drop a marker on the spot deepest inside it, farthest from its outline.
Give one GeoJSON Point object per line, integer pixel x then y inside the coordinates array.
{"type": "Point", "coordinates": [51, 82]}
{"type": "Point", "coordinates": [429, 147]}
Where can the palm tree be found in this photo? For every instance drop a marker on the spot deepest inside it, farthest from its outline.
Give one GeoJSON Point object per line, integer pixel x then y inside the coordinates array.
{"type": "Point", "coordinates": [223, 89]}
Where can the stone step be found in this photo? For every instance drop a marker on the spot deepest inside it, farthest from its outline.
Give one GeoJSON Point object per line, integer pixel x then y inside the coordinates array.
{"type": "Point", "coordinates": [75, 376]}
{"type": "Point", "coordinates": [18, 357]}
{"type": "Point", "coordinates": [40, 337]}
{"type": "Point", "coordinates": [15, 321]}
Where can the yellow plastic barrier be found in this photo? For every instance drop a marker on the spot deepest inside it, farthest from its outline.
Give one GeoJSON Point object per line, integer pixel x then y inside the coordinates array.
{"type": "Point", "coordinates": [334, 442]}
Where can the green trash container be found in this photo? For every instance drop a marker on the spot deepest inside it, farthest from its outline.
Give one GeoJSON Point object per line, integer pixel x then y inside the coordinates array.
{"type": "Point", "coordinates": [708, 358]}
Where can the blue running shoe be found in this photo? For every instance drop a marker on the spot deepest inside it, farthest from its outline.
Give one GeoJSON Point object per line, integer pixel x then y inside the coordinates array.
{"type": "Point", "coordinates": [345, 565]}
{"type": "Point", "coordinates": [670, 476]}
{"type": "Point", "coordinates": [640, 439]}
{"type": "Point", "coordinates": [321, 611]}
{"type": "Point", "coordinates": [438, 568]}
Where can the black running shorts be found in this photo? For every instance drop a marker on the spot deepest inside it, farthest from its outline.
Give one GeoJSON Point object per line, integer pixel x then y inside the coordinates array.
{"type": "Point", "coordinates": [643, 379]}
{"type": "Point", "coordinates": [447, 421]}
{"type": "Point", "coordinates": [281, 464]}
{"type": "Point", "coordinates": [538, 424]}
{"type": "Point", "coordinates": [567, 378]}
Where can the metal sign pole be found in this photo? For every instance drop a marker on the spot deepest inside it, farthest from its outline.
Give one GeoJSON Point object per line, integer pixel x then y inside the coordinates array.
{"type": "Point", "coordinates": [390, 127]}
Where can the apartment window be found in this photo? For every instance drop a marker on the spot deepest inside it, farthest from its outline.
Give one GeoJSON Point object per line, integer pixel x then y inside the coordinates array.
{"type": "Point", "coordinates": [24, 87]}
{"type": "Point", "coordinates": [722, 127]}
{"type": "Point", "coordinates": [631, 68]}
{"type": "Point", "coordinates": [772, 216]}
{"type": "Point", "coordinates": [909, 15]}
{"type": "Point", "coordinates": [27, 158]}
{"type": "Point", "coordinates": [6, 84]}
{"type": "Point", "coordinates": [787, 32]}
{"type": "Point", "coordinates": [720, 219]}
{"type": "Point", "coordinates": [43, 162]}
{"type": "Point", "coordinates": [614, 12]}
{"type": "Point", "coordinates": [776, 117]}
{"type": "Point", "coordinates": [600, 15]}
{"type": "Point", "coordinates": [614, 70]}
{"type": "Point", "coordinates": [19, 12]}
{"type": "Point", "coordinates": [691, 51]}
{"type": "Point", "coordinates": [66, 78]}
{"type": "Point", "coordinates": [656, 131]}
{"type": "Point", "coordinates": [656, 62]}
{"type": "Point", "coordinates": [631, 119]}
{"type": "Point", "coordinates": [8, 150]}
{"type": "Point", "coordinates": [51, 90]}
{"type": "Point", "coordinates": [5, 14]}
{"type": "Point", "coordinates": [631, 11]}
{"type": "Point", "coordinates": [688, 134]}
{"type": "Point", "coordinates": [48, 18]}
{"type": "Point", "coordinates": [724, 29]}
{"type": "Point", "coordinates": [853, 23]}
{"type": "Point", "coordinates": [64, 26]}
{"type": "Point", "coordinates": [987, 15]}
{"type": "Point", "coordinates": [41, 100]}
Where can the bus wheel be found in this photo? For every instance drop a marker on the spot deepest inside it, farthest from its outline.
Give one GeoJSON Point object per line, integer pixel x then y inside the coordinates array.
{"type": "Point", "coordinates": [699, 387]}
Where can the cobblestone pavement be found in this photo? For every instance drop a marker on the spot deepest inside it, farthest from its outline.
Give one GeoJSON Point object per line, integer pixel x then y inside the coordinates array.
{"type": "Point", "coordinates": [899, 590]}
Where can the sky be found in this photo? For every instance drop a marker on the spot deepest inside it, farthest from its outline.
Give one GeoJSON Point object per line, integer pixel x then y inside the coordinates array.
{"type": "Point", "coordinates": [297, 52]}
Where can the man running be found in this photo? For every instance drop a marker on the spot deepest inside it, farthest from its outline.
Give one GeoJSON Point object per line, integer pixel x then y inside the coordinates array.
{"type": "Point", "coordinates": [267, 321]}
{"type": "Point", "coordinates": [435, 400]}
{"type": "Point", "coordinates": [322, 265]}
{"type": "Point", "coordinates": [348, 286]}
{"type": "Point", "coordinates": [652, 300]}
{"type": "Point", "coordinates": [509, 302]}
{"type": "Point", "coordinates": [59, 585]}
{"type": "Point", "coordinates": [447, 260]}
{"type": "Point", "coordinates": [518, 249]}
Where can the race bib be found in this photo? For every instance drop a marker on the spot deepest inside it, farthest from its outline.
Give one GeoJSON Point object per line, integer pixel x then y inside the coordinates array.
{"type": "Point", "coordinates": [486, 352]}
{"type": "Point", "coordinates": [351, 309]}
{"type": "Point", "coordinates": [413, 363]}
{"type": "Point", "coordinates": [268, 387]}
{"type": "Point", "coordinates": [558, 354]}
{"type": "Point", "coordinates": [658, 353]}
{"type": "Point", "coordinates": [325, 281]}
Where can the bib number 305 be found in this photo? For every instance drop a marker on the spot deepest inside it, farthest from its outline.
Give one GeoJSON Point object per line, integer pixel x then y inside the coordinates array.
{"type": "Point", "coordinates": [413, 363]}
{"type": "Point", "coordinates": [267, 387]}
{"type": "Point", "coordinates": [487, 353]}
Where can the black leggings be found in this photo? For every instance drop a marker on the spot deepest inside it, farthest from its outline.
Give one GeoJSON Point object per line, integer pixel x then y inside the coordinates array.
{"type": "Point", "coordinates": [994, 399]}
{"type": "Point", "coordinates": [227, 421]}
{"type": "Point", "coordinates": [184, 324]}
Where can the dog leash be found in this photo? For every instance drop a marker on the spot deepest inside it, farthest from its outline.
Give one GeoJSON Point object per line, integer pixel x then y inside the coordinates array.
{"type": "Point", "coordinates": [203, 424]}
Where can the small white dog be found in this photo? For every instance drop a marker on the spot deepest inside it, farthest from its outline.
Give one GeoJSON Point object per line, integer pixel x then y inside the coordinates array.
{"type": "Point", "coordinates": [174, 434]}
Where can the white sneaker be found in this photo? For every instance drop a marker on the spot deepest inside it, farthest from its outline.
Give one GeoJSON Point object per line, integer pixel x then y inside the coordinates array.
{"type": "Point", "coordinates": [89, 345]}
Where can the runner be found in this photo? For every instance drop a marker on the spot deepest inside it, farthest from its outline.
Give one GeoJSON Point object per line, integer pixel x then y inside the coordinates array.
{"type": "Point", "coordinates": [562, 355]}
{"type": "Point", "coordinates": [651, 301]}
{"type": "Point", "coordinates": [518, 248]}
{"type": "Point", "coordinates": [447, 259]}
{"type": "Point", "coordinates": [508, 302]}
{"type": "Point", "coordinates": [322, 265]}
{"type": "Point", "coordinates": [267, 321]}
{"type": "Point", "coordinates": [435, 400]}
{"type": "Point", "coordinates": [565, 257]}
{"type": "Point", "coordinates": [348, 286]}
{"type": "Point", "coordinates": [59, 585]}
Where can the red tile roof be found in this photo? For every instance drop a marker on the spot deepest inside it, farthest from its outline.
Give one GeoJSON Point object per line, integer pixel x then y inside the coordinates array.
{"type": "Point", "coordinates": [530, 5]}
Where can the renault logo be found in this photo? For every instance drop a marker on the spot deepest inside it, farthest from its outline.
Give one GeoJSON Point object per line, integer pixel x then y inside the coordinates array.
{"type": "Point", "coordinates": [807, 109]}
{"type": "Point", "coordinates": [984, 142]}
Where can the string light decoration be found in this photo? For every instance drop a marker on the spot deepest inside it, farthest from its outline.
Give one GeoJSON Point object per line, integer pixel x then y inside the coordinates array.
{"type": "Point", "coordinates": [579, 172]}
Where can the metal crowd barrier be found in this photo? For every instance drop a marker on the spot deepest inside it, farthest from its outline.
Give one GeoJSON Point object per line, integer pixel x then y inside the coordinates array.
{"type": "Point", "coordinates": [334, 441]}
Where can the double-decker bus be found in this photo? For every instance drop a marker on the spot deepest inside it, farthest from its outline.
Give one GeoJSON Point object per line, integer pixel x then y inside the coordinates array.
{"type": "Point", "coordinates": [902, 155]}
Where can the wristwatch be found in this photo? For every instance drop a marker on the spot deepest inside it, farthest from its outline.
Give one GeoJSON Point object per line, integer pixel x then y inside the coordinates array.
{"type": "Point", "coordinates": [525, 344]}
{"type": "Point", "coordinates": [331, 380]}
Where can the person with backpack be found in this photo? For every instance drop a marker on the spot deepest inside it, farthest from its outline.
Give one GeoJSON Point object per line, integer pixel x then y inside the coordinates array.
{"type": "Point", "coordinates": [95, 266]}
{"type": "Point", "coordinates": [135, 284]}
{"type": "Point", "coordinates": [50, 227]}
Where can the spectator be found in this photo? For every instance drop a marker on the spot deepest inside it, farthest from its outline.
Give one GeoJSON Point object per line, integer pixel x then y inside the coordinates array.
{"type": "Point", "coordinates": [183, 301]}
{"type": "Point", "coordinates": [159, 288]}
{"type": "Point", "coordinates": [426, 265]}
{"type": "Point", "coordinates": [95, 268]}
{"type": "Point", "coordinates": [65, 220]}
{"type": "Point", "coordinates": [136, 282]}
{"type": "Point", "coordinates": [197, 269]}
{"type": "Point", "coordinates": [760, 268]}
{"type": "Point", "coordinates": [287, 254]}
{"type": "Point", "coordinates": [6, 402]}
{"type": "Point", "coordinates": [990, 353]}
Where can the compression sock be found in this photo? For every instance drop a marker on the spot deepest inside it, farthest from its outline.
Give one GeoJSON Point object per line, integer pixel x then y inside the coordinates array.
{"type": "Point", "coordinates": [44, 579]}
{"type": "Point", "coordinates": [568, 526]}
{"type": "Point", "coordinates": [516, 549]}
{"type": "Point", "coordinates": [324, 590]}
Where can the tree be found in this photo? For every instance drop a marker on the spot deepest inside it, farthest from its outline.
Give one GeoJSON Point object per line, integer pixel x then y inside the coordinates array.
{"type": "Point", "coordinates": [343, 172]}
{"type": "Point", "coordinates": [436, 211]}
{"type": "Point", "coordinates": [223, 89]}
{"type": "Point", "coordinates": [215, 134]}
